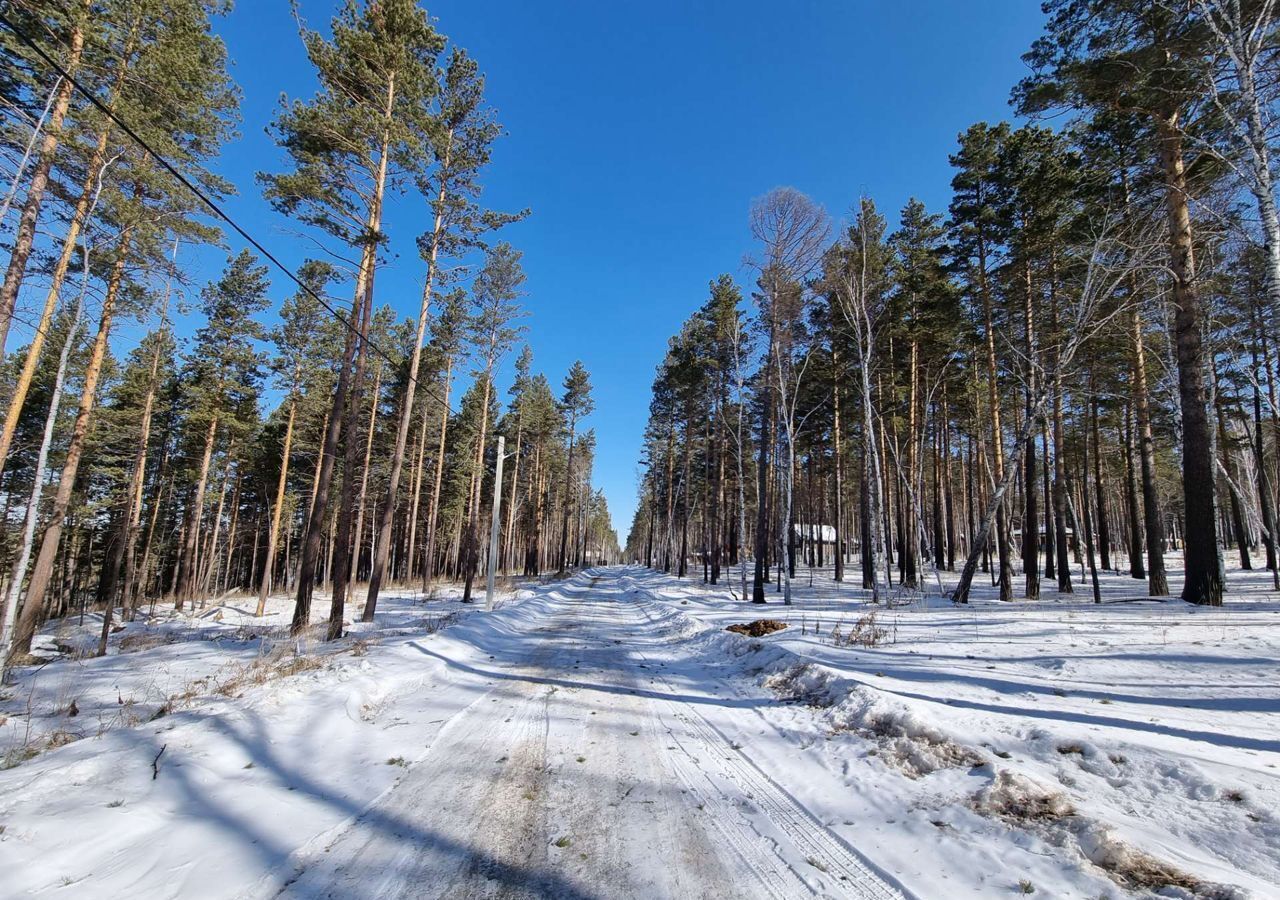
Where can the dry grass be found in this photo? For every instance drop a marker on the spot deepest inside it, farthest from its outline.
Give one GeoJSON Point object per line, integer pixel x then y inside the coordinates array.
{"type": "Point", "coordinates": [1024, 804]}
{"type": "Point", "coordinates": [30, 749]}
{"type": "Point", "coordinates": [1021, 802]}
{"type": "Point", "coordinates": [758, 628]}
{"type": "Point", "coordinates": [147, 640]}
{"type": "Point", "coordinates": [281, 663]}
{"type": "Point", "coordinates": [430, 624]}
{"type": "Point", "coordinates": [864, 633]}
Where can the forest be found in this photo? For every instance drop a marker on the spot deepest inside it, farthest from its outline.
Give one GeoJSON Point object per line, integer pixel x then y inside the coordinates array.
{"type": "Point", "coordinates": [1074, 363]}
{"type": "Point", "coordinates": [326, 336]}
{"type": "Point", "coordinates": [333, 446]}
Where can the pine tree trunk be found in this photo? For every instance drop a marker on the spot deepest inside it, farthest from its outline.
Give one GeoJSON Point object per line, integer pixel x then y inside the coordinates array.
{"type": "Point", "coordinates": [433, 511]}
{"type": "Point", "coordinates": [80, 213]}
{"type": "Point", "coordinates": [187, 571]}
{"type": "Point", "coordinates": [33, 609]}
{"type": "Point", "coordinates": [268, 569]}
{"type": "Point", "coordinates": [24, 239]}
{"type": "Point", "coordinates": [509, 539]}
{"type": "Point", "coordinates": [938, 538]}
{"type": "Point", "coordinates": [1059, 451]}
{"type": "Point", "coordinates": [1137, 569]}
{"type": "Point", "coordinates": [204, 574]}
{"type": "Point", "coordinates": [342, 543]}
{"type": "Point", "coordinates": [948, 497]}
{"type": "Point", "coordinates": [531, 567]}
{"type": "Point", "coordinates": [383, 540]}
{"type": "Point", "coordinates": [1031, 511]}
{"type": "Point", "coordinates": [1046, 488]}
{"type": "Point", "coordinates": [133, 520]}
{"type": "Point", "coordinates": [989, 517]}
{"type": "Point", "coordinates": [1235, 524]}
{"type": "Point", "coordinates": [362, 295]}
{"type": "Point", "coordinates": [207, 580]}
{"type": "Point", "coordinates": [127, 551]}
{"type": "Point", "coordinates": [1060, 494]}
{"type": "Point", "coordinates": [471, 554]}
{"type": "Point", "coordinates": [362, 497]}
{"type": "Point", "coordinates": [1104, 529]}
{"type": "Point", "coordinates": [1202, 559]}
{"type": "Point", "coordinates": [224, 583]}
{"type": "Point", "coordinates": [14, 590]}
{"type": "Point", "coordinates": [762, 494]}
{"type": "Point", "coordinates": [1088, 520]}
{"type": "Point", "coordinates": [910, 513]}
{"type": "Point", "coordinates": [411, 553]}
{"type": "Point", "coordinates": [682, 567]}
{"type": "Point", "coordinates": [1005, 578]}
{"type": "Point", "coordinates": [568, 475]}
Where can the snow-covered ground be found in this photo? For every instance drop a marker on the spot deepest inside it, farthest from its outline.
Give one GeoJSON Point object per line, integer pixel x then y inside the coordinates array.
{"type": "Point", "coordinates": [1157, 724]}
{"type": "Point", "coordinates": [605, 737]}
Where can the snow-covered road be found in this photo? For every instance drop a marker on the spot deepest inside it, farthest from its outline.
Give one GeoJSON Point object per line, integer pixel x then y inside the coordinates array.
{"type": "Point", "coordinates": [603, 736]}
{"type": "Point", "coordinates": [588, 769]}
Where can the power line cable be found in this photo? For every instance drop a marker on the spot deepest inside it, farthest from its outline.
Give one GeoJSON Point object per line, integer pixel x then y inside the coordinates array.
{"type": "Point", "coordinates": [206, 200]}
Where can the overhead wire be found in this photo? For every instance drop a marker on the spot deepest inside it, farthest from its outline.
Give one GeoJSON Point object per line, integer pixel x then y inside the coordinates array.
{"type": "Point", "coordinates": [204, 198]}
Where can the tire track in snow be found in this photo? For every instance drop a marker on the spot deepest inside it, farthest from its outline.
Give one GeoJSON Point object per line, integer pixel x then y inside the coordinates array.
{"type": "Point", "coordinates": [463, 822]}
{"type": "Point", "coordinates": [416, 832]}
{"type": "Point", "coordinates": [821, 848]}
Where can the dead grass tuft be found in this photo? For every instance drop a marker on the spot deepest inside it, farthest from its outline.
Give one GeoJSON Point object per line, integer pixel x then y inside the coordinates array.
{"type": "Point", "coordinates": [1024, 804]}
{"type": "Point", "coordinates": [1021, 802]}
{"type": "Point", "coordinates": [758, 628]}
{"type": "Point", "coordinates": [1143, 872]}
{"type": "Point", "coordinates": [430, 624]}
{"type": "Point", "coordinates": [276, 665]}
{"type": "Point", "coordinates": [147, 640]}
{"type": "Point", "coordinates": [864, 633]}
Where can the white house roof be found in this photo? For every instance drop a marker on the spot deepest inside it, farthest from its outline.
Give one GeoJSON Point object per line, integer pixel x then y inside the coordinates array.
{"type": "Point", "coordinates": [824, 533]}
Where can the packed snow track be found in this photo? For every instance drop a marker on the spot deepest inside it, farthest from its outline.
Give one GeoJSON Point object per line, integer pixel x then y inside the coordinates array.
{"type": "Point", "coordinates": [591, 766]}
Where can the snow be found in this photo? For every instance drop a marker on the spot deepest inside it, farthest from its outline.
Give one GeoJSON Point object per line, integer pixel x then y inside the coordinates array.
{"type": "Point", "coordinates": [603, 736]}
{"type": "Point", "coordinates": [1158, 722]}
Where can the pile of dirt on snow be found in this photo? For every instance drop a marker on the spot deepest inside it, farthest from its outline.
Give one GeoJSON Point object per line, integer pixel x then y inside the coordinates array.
{"type": "Point", "coordinates": [758, 628]}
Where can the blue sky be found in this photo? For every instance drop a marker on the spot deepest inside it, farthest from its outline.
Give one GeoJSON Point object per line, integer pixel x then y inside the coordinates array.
{"type": "Point", "coordinates": [639, 134]}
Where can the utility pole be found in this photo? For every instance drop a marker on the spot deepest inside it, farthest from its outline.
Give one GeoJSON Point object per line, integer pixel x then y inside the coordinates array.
{"type": "Point", "coordinates": [493, 527]}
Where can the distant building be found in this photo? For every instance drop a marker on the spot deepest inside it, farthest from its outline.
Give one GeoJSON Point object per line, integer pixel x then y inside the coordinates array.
{"type": "Point", "coordinates": [815, 534]}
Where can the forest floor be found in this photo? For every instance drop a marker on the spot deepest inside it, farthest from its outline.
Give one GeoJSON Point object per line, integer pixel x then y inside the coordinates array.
{"type": "Point", "coordinates": [604, 736]}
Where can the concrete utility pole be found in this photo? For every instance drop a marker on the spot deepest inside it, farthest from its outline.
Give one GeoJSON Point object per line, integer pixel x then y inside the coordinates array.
{"type": "Point", "coordinates": [493, 527]}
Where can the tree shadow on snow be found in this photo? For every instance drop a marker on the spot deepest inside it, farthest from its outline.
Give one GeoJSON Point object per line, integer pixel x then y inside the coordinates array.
{"type": "Point", "coordinates": [284, 863]}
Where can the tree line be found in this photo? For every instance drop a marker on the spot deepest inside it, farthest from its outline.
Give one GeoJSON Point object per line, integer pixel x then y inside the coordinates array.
{"type": "Point", "coordinates": [343, 443]}
{"type": "Point", "coordinates": [1074, 364]}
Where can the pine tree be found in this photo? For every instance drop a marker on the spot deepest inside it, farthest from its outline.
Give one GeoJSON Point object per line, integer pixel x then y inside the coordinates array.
{"type": "Point", "coordinates": [575, 404]}
{"type": "Point", "coordinates": [973, 225]}
{"type": "Point", "coordinates": [299, 343]}
{"type": "Point", "coordinates": [68, 28]}
{"type": "Point", "coordinates": [365, 128]}
{"type": "Point", "coordinates": [464, 132]}
{"type": "Point", "coordinates": [493, 331]}
{"type": "Point", "coordinates": [447, 336]}
{"type": "Point", "coordinates": [171, 54]}
{"type": "Point", "coordinates": [1147, 61]}
{"type": "Point", "coordinates": [220, 386]}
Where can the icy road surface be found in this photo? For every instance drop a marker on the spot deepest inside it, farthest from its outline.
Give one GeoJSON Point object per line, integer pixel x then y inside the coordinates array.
{"type": "Point", "coordinates": [586, 771]}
